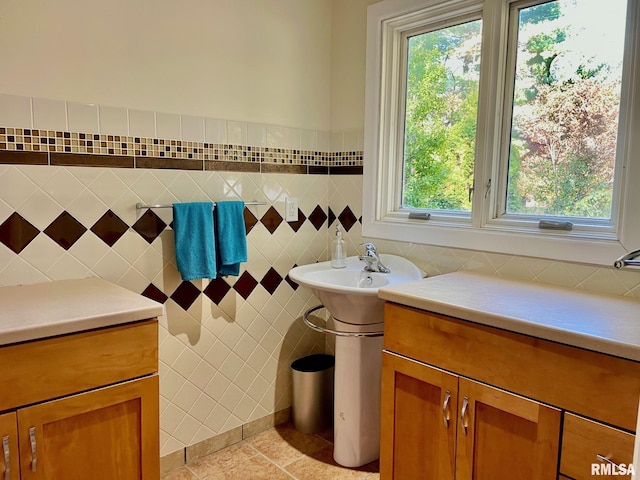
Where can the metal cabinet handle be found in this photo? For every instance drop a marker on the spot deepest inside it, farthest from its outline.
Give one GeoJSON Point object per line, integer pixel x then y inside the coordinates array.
{"type": "Point", "coordinates": [7, 457]}
{"type": "Point", "coordinates": [602, 458]}
{"type": "Point", "coordinates": [463, 415]}
{"type": "Point", "coordinates": [445, 409]}
{"type": "Point", "coordinates": [34, 453]}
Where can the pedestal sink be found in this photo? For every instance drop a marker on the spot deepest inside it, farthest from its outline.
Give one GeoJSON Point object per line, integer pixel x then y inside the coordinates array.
{"type": "Point", "coordinates": [350, 295]}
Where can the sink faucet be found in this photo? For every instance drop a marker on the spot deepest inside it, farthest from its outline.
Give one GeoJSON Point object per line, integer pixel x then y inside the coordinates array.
{"type": "Point", "coordinates": [371, 259]}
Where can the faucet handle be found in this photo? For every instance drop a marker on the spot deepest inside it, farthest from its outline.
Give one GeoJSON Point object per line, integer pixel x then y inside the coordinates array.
{"type": "Point", "coordinates": [371, 248]}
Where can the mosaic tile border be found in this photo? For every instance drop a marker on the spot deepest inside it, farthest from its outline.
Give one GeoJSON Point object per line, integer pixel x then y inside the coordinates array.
{"type": "Point", "coordinates": [50, 141]}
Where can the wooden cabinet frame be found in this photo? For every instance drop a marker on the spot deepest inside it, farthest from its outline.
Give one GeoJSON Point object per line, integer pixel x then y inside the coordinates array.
{"type": "Point", "coordinates": [525, 382]}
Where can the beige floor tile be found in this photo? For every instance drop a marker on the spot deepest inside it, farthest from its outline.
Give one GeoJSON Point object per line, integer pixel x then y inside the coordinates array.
{"type": "Point", "coordinates": [283, 444]}
{"type": "Point", "coordinates": [255, 468]}
{"type": "Point", "coordinates": [181, 473]}
{"type": "Point", "coordinates": [222, 461]}
{"type": "Point", "coordinates": [321, 466]}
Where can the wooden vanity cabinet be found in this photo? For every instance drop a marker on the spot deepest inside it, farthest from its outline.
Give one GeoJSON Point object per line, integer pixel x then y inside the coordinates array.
{"type": "Point", "coordinates": [440, 425]}
{"type": "Point", "coordinates": [466, 401]}
{"type": "Point", "coordinates": [83, 405]}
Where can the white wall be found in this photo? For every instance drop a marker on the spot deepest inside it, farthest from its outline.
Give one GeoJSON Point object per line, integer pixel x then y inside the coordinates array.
{"type": "Point", "coordinates": [264, 61]}
{"type": "Point", "coordinates": [348, 51]}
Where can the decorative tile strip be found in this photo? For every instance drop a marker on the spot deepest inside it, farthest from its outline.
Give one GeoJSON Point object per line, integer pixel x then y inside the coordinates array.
{"type": "Point", "coordinates": [32, 140]}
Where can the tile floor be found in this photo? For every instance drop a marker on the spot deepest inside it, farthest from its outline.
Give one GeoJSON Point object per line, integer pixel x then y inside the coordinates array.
{"type": "Point", "coordinates": [280, 453]}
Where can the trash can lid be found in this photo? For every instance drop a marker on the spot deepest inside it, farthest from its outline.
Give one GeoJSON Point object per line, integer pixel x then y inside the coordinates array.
{"type": "Point", "coordinates": [314, 363]}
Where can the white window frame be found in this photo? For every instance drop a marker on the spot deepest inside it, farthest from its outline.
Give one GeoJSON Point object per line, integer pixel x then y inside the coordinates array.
{"type": "Point", "coordinates": [596, 243]}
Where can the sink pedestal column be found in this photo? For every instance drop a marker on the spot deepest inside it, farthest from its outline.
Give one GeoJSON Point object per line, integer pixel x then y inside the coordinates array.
{"type": "Point", "coordinates": [357, 395]}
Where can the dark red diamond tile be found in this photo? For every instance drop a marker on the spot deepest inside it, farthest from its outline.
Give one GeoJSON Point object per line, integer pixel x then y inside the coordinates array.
{"type": "Point", "coordinates": [298, 223]}
{"type": "Point", "coordinates": [271, 219]}
{"type": "Point", "coordinates": [291, 283]}
{"type": "Point", "coordinates": [317, 217]}
{"type": "Point", "coordinates": [250, 220]}
{"type": "Point", "coordinates": [347, 218]}
{"type": "Point", "coordinates": [154, 293]}
{"type": "Point", "coordinates": [271, 280]}
{"type": "Point", "coordinates": [185, 295]}
{"type": "Point", "coordinates": [16, 233]}
{"type": "Point", "coordinates": [332, 217]}
{"type": "Point", "coordinates": [245, 285]}
{"type": "Point", "coordinates": [65, 230]}
{"type": "Point", "coordinates": [109, 228]}
{"type": "Point", "coordinates": [149, 226]}
{"type": "Point", "coordinates": [216, 290]}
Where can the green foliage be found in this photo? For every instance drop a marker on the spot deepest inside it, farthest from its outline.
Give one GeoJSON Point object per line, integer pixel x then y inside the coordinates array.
{"type": "Point", "coordinates": [561, 160]}
{"type": "Point", "coordinates": [441, 119]}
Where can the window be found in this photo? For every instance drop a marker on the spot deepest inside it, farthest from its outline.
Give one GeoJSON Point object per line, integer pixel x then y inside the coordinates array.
{"type": "Point", "coordinates": [505, 126]}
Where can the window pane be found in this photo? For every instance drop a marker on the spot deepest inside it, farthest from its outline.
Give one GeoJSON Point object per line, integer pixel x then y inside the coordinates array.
{"type": "Point", "coordinates": [565, 108]}
{"type": "Point", "coordinates": [443, 73]}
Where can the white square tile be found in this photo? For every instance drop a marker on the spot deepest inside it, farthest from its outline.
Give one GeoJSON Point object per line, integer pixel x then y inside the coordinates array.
{"type": "Point", "coordinates": [20, 272]}
{"type": "Point", "coordinates": [351, 140]}
{"type": "Point", "coordinates": [113, 120]}
{"type": "Point", "coordinates": [168, 126]}
{"type": "Point", "coordinates": [49, 114]}
{"type": "Point", "coordinates": [336, 142]}
{"type": "Point", "coordinates": [142, 123]}
{"type": "Point", "coordinates": [309, 140]}
{"type": "Point", "coordinates": [82, 117]}
{"type": "Point", "coordinates": [215, 130]}
{"type": "Point", "coordinates": [275, 136]}
{"type": "Point", "coordinates": [256, 134]}
{"type": "Point", "coordinates": [67, 268]}
{"type": "Point", "coordinates": [236, 133]}
{"type": "Point", "coordinates": [15, 111]}
{"type": "Point", "coordinates": [192, 128]}
{"type": "Point", "coordinates": [324, 141]}
{"type": "Point", "coordinates": [292, 138]}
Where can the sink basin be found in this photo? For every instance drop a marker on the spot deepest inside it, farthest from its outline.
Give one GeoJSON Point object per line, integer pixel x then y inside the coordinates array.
{"type": "Point", "coordinates": [351, 293]}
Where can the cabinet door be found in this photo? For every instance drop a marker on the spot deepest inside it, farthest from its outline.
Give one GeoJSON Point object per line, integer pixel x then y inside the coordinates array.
{"type": "Point", "coordinates": [102, 434]}
{"type": "Point", "coordinates": [418, 420]}
{"type": "Point", "coordinates": [502, 436]}
{"type": "Point", "coordinates": [9, 465]}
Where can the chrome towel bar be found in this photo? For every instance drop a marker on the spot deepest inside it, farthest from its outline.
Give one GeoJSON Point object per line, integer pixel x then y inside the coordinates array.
{"type": "Point", "coordinates": [140, 205]}
{"type": "Point", "coordinates": [628, 260]}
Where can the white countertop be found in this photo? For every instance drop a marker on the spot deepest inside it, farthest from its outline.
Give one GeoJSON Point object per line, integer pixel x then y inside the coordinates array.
{"type": "Point", "coordinates": [42, 310]}
{"type": "Point", "coordinates": [603, 323]}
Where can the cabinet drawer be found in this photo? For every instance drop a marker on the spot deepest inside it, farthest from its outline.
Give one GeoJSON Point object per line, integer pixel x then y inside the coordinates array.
{"type": "Point", "coordinates": [583, 440]}
{"type": "Point", "coordinates": [59, 366]}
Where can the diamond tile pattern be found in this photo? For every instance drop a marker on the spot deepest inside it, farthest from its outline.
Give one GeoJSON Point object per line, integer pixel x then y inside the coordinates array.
{"type": "Point", "coordinates": [318, 217]}
{"type": "Point", "coordinates": [185, 295]}
{"type": "Point", "coordinates": [216, 290]}
{"type": "Point", "coordinates": [65, 230]}
{"type": "Point", "coordinates": [250, 220]}
{"type": "Point", "coordinates": [297, 224]}
{"type": "Point", "coordinates": [154, 293]}
{"type": "Point", "coordinates": [109, 228]}
{"type": "Point", "coordinates": [271, 219]}
{"type": "Point", "coordinates": [347, 218]}
{"type": "Point", "coordinates": [226, 363]}
{"type": "Point", "coordinates": [149, 226]}
{"type": "Point", "coordinates": [16, 233]}
{"type": "Point", "coordinates": [245, 285]}
{"type": "Point", "coordinates": [271, 280]}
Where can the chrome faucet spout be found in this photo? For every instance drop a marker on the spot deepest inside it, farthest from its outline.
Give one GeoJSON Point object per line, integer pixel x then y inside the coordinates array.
{"type": "Point", "coordinates": [371, 259]}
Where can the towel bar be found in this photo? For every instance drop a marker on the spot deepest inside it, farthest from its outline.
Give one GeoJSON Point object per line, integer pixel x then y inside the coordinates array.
{"type": "Point", "coordinates": [140, 205]}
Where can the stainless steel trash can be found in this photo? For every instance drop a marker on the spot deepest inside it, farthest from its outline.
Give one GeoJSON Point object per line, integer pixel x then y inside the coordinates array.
{"type": "Point", "coordinates": [313, 393]}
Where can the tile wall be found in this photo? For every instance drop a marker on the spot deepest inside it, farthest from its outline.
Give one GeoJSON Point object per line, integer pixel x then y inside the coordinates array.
{"type": "Point", "coordinates": [69, 184]}
{"type": "Point", "coordinates": [225, 345]}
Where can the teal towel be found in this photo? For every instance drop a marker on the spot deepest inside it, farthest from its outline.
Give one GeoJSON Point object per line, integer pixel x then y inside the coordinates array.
{"type": "Point", "coordinates": [194, 238]}
{"type": "Point", "coordinates": [231, 237]}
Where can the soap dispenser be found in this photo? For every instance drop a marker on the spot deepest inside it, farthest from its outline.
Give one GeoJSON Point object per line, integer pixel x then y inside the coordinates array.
{"type": "Point", "coordinates": [338, 250]}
